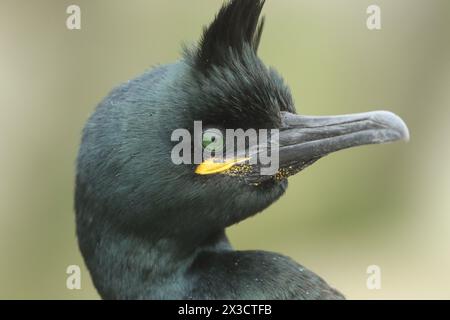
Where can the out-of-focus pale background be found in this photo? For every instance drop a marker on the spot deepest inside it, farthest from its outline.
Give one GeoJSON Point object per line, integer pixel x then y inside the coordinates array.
{"type": "Point", "coordinates": [385, 205]}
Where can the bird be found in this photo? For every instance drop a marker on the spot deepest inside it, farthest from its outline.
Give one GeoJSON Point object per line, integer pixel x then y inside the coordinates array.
{"type": "Point", "coordinates": [149, 228]}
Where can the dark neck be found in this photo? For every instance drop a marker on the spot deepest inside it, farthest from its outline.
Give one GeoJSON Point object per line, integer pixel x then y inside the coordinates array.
{"type": "Point", "coordinates": [125, 265]}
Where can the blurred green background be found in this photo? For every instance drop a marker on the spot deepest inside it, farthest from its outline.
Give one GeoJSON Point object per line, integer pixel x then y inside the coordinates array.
{"type": "Point", "coordinates": [387, 205]}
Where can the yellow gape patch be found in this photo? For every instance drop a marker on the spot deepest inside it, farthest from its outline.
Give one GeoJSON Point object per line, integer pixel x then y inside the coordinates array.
{"type": "Point", "coordinates": [211, 166]}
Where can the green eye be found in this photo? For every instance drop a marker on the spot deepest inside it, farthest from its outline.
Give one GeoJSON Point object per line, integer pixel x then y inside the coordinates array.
{"type": "Point", "coordinates": [212, 140]}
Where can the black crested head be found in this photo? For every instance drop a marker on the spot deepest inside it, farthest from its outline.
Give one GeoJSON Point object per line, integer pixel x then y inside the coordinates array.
{"type": "Point", "coordinates": [125, 164]}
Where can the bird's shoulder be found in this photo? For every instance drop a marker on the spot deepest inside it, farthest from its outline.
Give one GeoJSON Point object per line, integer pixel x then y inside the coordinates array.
{"type": "Point", "coordinates": [259, 275]}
